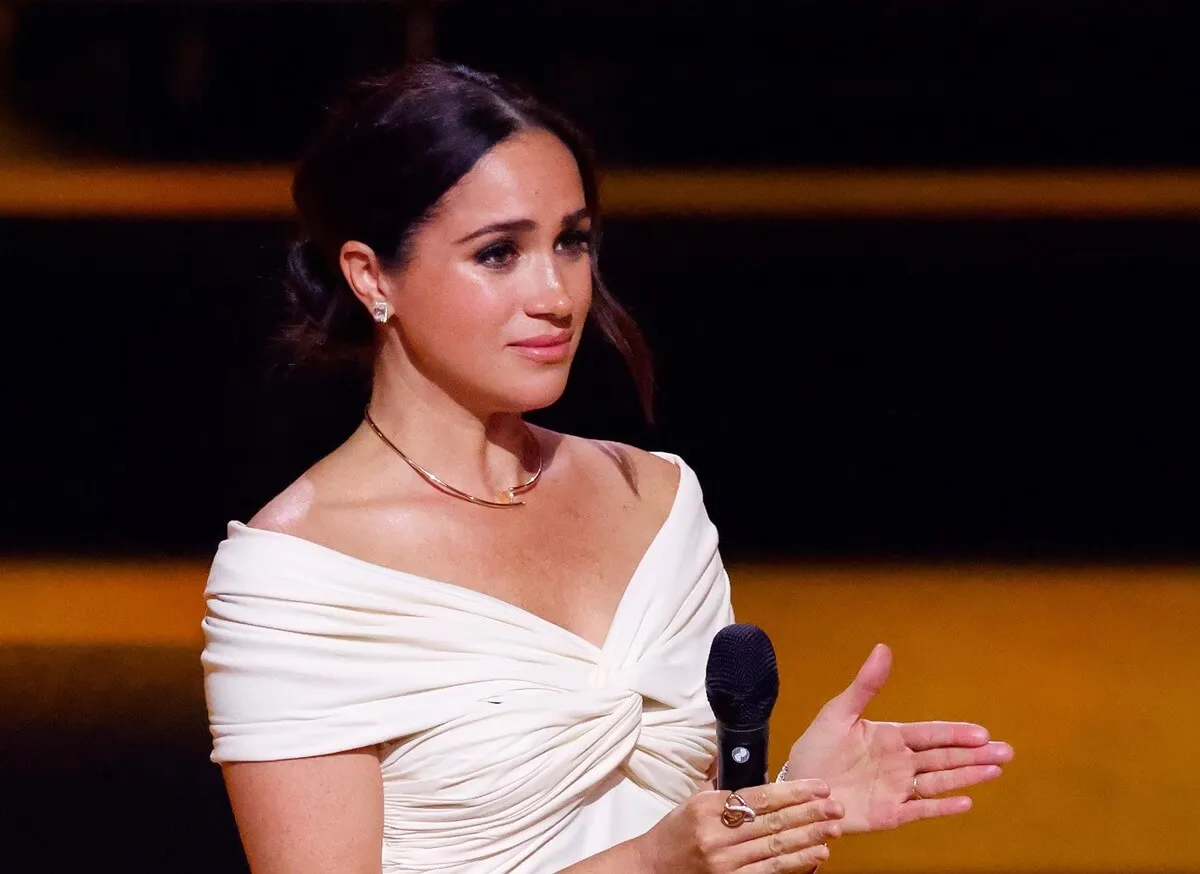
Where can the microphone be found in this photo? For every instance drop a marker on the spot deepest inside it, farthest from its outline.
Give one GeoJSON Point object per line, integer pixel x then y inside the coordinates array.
{"type": "Point", "coordinates": [742, 683]}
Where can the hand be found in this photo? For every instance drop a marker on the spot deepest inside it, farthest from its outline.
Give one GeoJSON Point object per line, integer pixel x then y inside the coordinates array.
{"type": "Point", "coordinates": [871, 766]}
{"type": "Point", "coordinates": [792, 823]}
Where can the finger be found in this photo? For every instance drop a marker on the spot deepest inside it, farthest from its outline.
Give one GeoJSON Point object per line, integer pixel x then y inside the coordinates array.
{"type": "Point", "coordinates": [784, 843]}
{"type": "Point", "coordinates": [804, 860]}
{"type": "Point", "coordinates": [777, 796]}
{"type": "Point", "coordinates": [850, 704]}
{"type": "Point", "coordinates": [942, 782]}
{"type": "Point", "coordinates": [929, 735]}
{"type": "Point", "coordinates": [794, 817]}
{"type": "Point", "coordinates": [948, 758]}
{"type": "Point", "coordinates": [931, 808]}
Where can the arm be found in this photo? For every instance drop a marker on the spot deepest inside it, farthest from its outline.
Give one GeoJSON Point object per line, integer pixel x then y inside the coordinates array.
{"type": "Point", "coordinates": [320, 815]}
{"type": "Point", "coordinates": [633, 855]}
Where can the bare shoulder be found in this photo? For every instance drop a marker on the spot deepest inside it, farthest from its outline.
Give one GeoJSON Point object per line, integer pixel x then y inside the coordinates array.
{"type": "Point", "coordinates": [310, 507]}
{"type": "Point", "coordinates": [642, 476]}
{"type": "Point", "coordinates": [655, 478]}
{"type": "Point", "coordinates": [290, 510]}
{"type": "Point", "coordinates": [302, 508]}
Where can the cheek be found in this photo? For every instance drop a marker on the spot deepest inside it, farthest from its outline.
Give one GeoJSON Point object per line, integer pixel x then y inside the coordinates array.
{"type": "Point", "coordinates": [461, 306]}
{"type": "Point", "coordinates": [481, 299]}
{"type": "Point", "coordinates": [581, 287]}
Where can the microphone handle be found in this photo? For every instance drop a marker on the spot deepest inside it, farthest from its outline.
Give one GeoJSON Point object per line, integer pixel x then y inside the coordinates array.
{"type": "Point", "coordinates": [750, 746]}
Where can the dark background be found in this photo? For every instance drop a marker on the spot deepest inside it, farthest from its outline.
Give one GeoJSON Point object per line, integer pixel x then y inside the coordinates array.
{"type": "Point", "coordinates": [846, 388]}
{"type": "Point", "coordinates": [671, 82]}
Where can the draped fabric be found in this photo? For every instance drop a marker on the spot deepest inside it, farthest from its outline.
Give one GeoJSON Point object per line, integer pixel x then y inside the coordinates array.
{"type": "Point", "coordinates": [506, 742]}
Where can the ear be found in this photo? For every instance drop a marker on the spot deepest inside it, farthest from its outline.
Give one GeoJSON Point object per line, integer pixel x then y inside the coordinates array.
{"type": "Point", "coordinates": [364, 274]}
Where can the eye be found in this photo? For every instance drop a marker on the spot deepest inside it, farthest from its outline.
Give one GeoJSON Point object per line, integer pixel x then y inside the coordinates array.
{"type": "Point", "coordinates": [497, 255]}
{"type": "Point", "coordinates": [575, 241]}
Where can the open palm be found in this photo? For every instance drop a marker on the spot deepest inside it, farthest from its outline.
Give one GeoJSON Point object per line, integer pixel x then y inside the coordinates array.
{"type": "Point", "coordinates": [884, 773]}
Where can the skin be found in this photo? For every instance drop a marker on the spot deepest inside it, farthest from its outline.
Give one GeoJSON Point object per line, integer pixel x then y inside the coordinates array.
{"type": "Point", "coordinates": [871, 766]}
{"type": "Point", "coordinates": [504, 258]}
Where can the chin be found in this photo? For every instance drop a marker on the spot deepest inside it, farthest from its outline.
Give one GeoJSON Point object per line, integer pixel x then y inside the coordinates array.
{"type": "Point", "coordinates": [534, 394]}
{"type": "Point", "coordinates": [532, 402]}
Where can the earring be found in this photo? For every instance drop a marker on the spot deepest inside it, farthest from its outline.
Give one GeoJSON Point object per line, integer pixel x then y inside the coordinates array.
{"type": "Point", "coordinates": [381, 311]}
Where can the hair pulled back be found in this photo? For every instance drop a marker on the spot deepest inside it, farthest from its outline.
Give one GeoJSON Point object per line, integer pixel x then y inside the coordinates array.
{"type": "Point", "coordinates": [387, 153]}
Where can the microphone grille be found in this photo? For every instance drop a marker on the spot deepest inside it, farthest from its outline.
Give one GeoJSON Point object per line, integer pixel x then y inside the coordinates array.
{"type": "Point", "coordinates": [742, 678]}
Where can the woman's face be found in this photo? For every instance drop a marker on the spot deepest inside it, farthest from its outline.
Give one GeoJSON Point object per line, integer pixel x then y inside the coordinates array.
{"type": "Point", "coordinates": [492, 300]}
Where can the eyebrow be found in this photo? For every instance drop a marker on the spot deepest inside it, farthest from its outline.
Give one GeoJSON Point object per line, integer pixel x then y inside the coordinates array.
{"type": "Point", "coordinates": [521, 225]}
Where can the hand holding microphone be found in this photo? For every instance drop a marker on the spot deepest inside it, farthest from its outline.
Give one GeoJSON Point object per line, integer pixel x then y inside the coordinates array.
{"type": "Point", "coordinates": [746, 825]}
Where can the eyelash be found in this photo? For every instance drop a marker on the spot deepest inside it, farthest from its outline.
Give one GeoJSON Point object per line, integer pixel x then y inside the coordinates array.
{"type": "Point", "coordinates": [576, 240]}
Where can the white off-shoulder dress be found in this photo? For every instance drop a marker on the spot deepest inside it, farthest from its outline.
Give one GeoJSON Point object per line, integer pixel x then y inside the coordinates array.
{"type": "Point", "coordinates": [506, 743]}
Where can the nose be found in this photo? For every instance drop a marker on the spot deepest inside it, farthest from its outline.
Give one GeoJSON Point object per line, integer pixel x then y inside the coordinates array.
{"type": "Point", "coordinates": [551, 297]}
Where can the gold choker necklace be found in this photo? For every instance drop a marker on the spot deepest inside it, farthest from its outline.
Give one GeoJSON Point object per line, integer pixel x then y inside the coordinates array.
{"type": "Point", "coordinates": [444, 486]}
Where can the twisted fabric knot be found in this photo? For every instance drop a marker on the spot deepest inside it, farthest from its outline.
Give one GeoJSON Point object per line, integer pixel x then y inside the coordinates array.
{"type": "Point", "coordinates": [506, 743]}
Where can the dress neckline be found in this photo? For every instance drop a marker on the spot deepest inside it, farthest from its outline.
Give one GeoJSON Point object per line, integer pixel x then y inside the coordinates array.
{"type": "Point", "coordinates": [459, 590]}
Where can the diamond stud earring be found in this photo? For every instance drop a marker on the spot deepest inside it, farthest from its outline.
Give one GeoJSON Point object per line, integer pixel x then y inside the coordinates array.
{"type": "Point", "coordinates": [381, 311]}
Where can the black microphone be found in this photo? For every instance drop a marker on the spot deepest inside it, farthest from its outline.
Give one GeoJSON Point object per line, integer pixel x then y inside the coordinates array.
{"type": "Point", "coordinates": [742, 683]}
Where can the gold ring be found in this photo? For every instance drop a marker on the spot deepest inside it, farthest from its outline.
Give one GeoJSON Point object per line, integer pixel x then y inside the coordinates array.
{"type": "Point", "coordinates": [736, 811]}
{"type": "Point", "coordinates": [915, 791]}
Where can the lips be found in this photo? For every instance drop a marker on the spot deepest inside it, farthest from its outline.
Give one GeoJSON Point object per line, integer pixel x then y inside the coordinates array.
{"type": "Point", "coordinates": [544, 340]}
{"type": "Point", "coordinates": [546, 348]}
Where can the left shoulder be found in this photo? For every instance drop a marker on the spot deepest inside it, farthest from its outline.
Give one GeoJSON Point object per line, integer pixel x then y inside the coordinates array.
{"type": "Point", "coordinates": [644, 477]}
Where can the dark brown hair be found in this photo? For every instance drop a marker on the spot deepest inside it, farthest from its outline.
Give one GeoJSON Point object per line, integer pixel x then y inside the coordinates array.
{"type": "Point", "coordinates": [388, 152]}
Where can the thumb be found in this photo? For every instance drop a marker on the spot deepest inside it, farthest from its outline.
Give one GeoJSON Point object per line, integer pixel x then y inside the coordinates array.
{"type": "Point", "coordinates": [851, 703]}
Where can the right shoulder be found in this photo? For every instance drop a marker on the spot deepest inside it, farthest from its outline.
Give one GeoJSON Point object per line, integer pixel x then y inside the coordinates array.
{"type": "Point", "coordinates": [336, 505]}
{"type": "Point", "coordinates": [292, 510]}
{"type": "Point", "coordinates": [304, 508]}
{"type": "Point", "coordinates": [252, 559]}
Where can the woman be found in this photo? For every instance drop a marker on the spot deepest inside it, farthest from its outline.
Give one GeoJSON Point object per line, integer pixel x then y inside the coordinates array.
{"type": "Point", "coordinates": [462, 643]}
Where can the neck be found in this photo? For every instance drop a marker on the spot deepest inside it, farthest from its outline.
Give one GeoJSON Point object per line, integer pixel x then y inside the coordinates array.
{"type": "Point", "coordinates": [483, 454]}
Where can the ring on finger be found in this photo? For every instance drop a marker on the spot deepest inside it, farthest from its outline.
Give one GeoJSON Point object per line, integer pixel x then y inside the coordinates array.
{"type": "Point", "coordinates": [916, 793]}
{"type": "Point", "coordinates": [736, 811]}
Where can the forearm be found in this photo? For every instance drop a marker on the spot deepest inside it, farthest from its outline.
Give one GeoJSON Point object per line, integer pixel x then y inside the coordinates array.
{"type": "Point", "coordinates": [629, 857]}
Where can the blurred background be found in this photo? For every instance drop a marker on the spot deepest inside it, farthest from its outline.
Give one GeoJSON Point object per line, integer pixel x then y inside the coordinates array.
{"type": "Point", "coordinates": [919, 280]}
